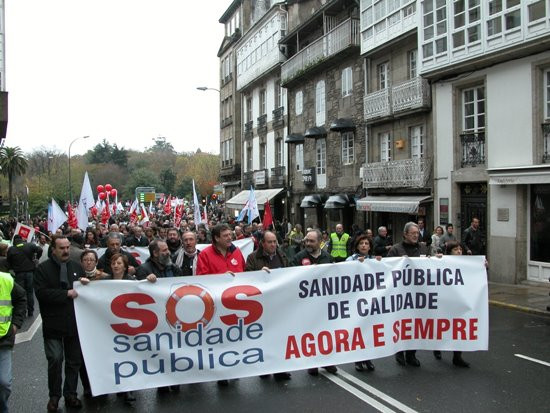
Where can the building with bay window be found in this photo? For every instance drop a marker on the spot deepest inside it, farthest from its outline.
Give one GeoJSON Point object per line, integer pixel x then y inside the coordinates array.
{"type": "Point", "coordinates": [489, 65]}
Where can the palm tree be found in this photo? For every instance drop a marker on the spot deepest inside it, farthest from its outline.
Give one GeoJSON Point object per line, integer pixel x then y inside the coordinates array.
{"type": "Point", "coordinates": [13, 163]}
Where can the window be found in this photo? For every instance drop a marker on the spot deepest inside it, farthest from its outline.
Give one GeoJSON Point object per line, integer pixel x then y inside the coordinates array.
{"type": "Point", "coordinates": [320, 103]}
{"type": "Point", "coordinates": [347, 81]}
{"type": "Point", "coordinates": [366, 144]}
{"type": "Point", "coordinates": [321, 161]}
{"type": "Point", "coordinates": [382, 75]}
{"type": "Point", "coordinates": [547, 94]}
{"type": "Point", "coordinates": [416, 138]}
{"type": "Point", "coordinates": [385, 146]}
{"type": "Point", "coordinates": [278, 95]}
{"type": "Point", "coordinates": [299, 102]}
{"type": "Point", "coordinates": [279, 151]}
{"type": "Point", "coordinates": [347, 148]}
{"type": "Point", "coordinates": [506, 15]}
{"type": "Point", "coordinates": [249, 157]}
{"type": "Point", "coordinates": [300, 157]}
{"type": "Point", "coordinates": [263, 155]}
{"type": "Point", "coordinates": [537, 10]}
{"type": "Point", "coordinates": [473, 109]}
{"type": "Point", "coordinates": [249, 109]}
{"type": "Point", "coordinates": [262, 102]}
{"type": "Point", "coordinates": [434, 15]}
{"type": "Point", "coordinates": [411, 59]}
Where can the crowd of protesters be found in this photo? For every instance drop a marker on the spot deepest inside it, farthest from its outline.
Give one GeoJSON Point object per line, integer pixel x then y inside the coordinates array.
{"type": "Point", "coordinates": [51, 265]}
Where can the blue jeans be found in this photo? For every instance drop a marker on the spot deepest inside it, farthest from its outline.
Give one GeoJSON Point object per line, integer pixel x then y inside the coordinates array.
{"type": "Point", "coordinates": [24, 279]}
{"type": "Point", "coordinates": [6, 378]}
{"type": "Point", "coordinates": [67, 348]}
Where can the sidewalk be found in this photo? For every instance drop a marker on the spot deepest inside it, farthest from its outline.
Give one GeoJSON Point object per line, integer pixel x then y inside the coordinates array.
{"type": "Point", "coordinates": [522, 297]}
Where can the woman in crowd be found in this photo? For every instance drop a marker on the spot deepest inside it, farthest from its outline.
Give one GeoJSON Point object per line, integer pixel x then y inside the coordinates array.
{"type": "Point", "coordinates": [119, 267]}
{"type": "Point", "coordinates": [436, 236]}
{"type": "Point", "coordinates": [453, 248]}
{"type": "Point", "coordinates": [90, 239]}
{"type": "Point", "coordinates": [361, 251]}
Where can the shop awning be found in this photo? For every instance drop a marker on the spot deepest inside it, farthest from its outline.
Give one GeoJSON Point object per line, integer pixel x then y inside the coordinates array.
{"type": "Point", "coordinates": [294, 138]}
{"type": "Point", "coordinates": [521, 175]}
{"type": "Point", "coordinates": [337, 201]}
{"type": "Point", "coordinates": [342, 125]}
{"type": "Point", "coordinates": [400, 204]}
{"type": "Point", "coordinates": [311, 201]}
{"type": "Point", "coordinates": [262, 195]}
{"type": "Point", "coordinates": [315, 132]}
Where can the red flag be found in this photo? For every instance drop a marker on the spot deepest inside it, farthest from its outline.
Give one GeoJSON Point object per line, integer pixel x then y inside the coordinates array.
{"type": "Point", "coordinates": [93, 211]}
{"type": "Point", "coordinates": [268, 218]}
{"type": "Point", "coordinates": [106, 213]}
{"type": "Point", "coordinates": [168, 205]}
{"type": "Point", "coordinates": [178, 216]}
{"type": "Point", "coordinates": [73, 222]}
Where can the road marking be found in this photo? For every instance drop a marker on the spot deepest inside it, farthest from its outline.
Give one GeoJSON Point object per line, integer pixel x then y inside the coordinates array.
{"type": "Point", "coordinates": [28, 335]}
{"type": "Point", "coordinates": [375, 392]}
{"type": "Point", "coordinates": [358, 393]}
{"type": "Point", "coordinates": [544, 363]}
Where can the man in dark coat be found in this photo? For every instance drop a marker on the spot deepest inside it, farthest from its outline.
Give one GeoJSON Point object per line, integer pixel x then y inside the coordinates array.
{"type": "Point", "coordinates": [114, 243]}
{"type": "Point", "coordinates": [409, 247]}
{"type": "Point", "coordinates": [473, 239]}
{"type": "Point", "coordinates": [159, 265]}
{"type": "Point", "coordinates": [137, 239]}
{"type": "Point", "coordinates": [382, 242]}
{"type": "Point", "coordinates": [267, 257]}
{"type": "Point", "coordinates": [188, 255]}
{"type": "Point", "coordinates": [310, 255]}
{"type": "Point", "coordinates": [53, 283]}
{"type": "Point", "coordinates": [21, 260]}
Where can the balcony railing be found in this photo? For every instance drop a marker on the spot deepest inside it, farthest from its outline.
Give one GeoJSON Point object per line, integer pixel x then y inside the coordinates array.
{"type": "Point", "coordinates": [378, 104]}
{"type": "Point", "coordinates": [278, 117]}
{"type": "Point", "coordinates": [546, 142]}
{"type": "Point", "coordinates": [341, 37]}
{"type": "Point", "coordinates": [262, 124]}
{"type": "Point", "coordinates": [412, 94]}
{"type": "Point", "coordinates": [473, 148]}
{"type": "Point", "coordinates": [248, 130]}
{"type": "Point", "coordinates": [408, 173]}
{"type": "Point", "coordinates": [409, 95]}
{"type": "Point", "coordinates": [229, 168]}
{"type": "Point", "coordinates": [277, 176]}
{"type": "Point", "coordinates": [226, 122]}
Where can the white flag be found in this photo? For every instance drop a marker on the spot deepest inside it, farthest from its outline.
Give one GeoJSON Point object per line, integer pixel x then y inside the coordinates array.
{"type": "Point", "coordinates": [253, 211]}
{"type": "Point", "coordinates": [56, 216]}
{"type": "Point", "coordinates": [196, 206]}
{"type": "Point", "coordinates": [144, 216]}
{"type": "Point", "coordinates": [85, 203]}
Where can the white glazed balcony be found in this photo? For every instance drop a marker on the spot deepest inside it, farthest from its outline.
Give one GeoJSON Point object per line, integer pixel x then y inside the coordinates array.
{"type": "Point", "coordinates": [407, 173]}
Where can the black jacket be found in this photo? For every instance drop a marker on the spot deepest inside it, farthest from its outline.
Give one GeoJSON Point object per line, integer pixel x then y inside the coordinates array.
{"type": "Point", "coordinates": [19, 303]}
{"type": "Point", "coordinates": [304, 258]}
{"type": "Point", "coordinates": [410, 250]}
{"type": "Point", "coordinates": [150, 267]}
{"type": "Point", "coordinates": [56, 309]}
{"type": "Point", "coordinates": [104, 262]}
{"type": "Point", "coordinates": [380, 244]}
{"type": "Point", "coordinates": [21, 256]}
{"type": "Point", "coordinates": [473, 241]}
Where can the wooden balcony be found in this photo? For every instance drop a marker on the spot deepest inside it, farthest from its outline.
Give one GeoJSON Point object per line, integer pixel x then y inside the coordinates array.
{"type": "Point", "coordinates": [407, 173]}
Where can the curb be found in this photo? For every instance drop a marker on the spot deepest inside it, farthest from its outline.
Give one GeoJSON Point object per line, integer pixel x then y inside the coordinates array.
{"type": "Point", "coordinates": [520, 308]}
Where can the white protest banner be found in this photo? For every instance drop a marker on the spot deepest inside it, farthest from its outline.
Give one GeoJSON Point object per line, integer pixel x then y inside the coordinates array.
{"type": "Point", "coordinates": [141, 254]}
{"type": "Point", "coordinates": [137, 334]}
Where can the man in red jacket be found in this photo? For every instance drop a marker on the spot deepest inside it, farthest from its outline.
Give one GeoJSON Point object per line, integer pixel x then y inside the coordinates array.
{"type": "Point", "coordinates": [221, 257]}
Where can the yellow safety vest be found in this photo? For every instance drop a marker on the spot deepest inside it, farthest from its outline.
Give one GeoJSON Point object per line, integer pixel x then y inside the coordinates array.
{"type": "Point", "coordinates": [6, 285]}
{"type": "Point", "coordinates": [339, 245]}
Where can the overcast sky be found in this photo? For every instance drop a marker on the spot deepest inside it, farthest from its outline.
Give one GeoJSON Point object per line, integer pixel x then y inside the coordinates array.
{"type": "Point", "coordinates": [123, 70]}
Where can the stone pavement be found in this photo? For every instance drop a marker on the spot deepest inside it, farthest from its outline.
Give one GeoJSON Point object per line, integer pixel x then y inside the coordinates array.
{"type": "Point", "coordinates": [529, 297]}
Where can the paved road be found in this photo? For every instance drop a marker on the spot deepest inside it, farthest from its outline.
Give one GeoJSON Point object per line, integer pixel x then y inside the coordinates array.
{"type": "Point", "coordinates": [498, 381]}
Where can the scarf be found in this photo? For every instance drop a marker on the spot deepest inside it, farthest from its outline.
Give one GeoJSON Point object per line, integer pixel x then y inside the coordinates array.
{"type": "Point", "coordinates": [63, 276]}
{"type": "Point", "coordinates": [182, 253]}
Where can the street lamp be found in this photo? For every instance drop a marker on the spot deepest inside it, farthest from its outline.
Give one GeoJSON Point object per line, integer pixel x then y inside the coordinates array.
{"type": "Point", "coordinates": [71, 144]}
{"type": "Point", "coordinates": [204, 88]}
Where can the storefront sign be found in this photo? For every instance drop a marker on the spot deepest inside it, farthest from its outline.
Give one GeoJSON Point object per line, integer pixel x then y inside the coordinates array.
{"type": "Point", "coordinates": [259, 177]}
